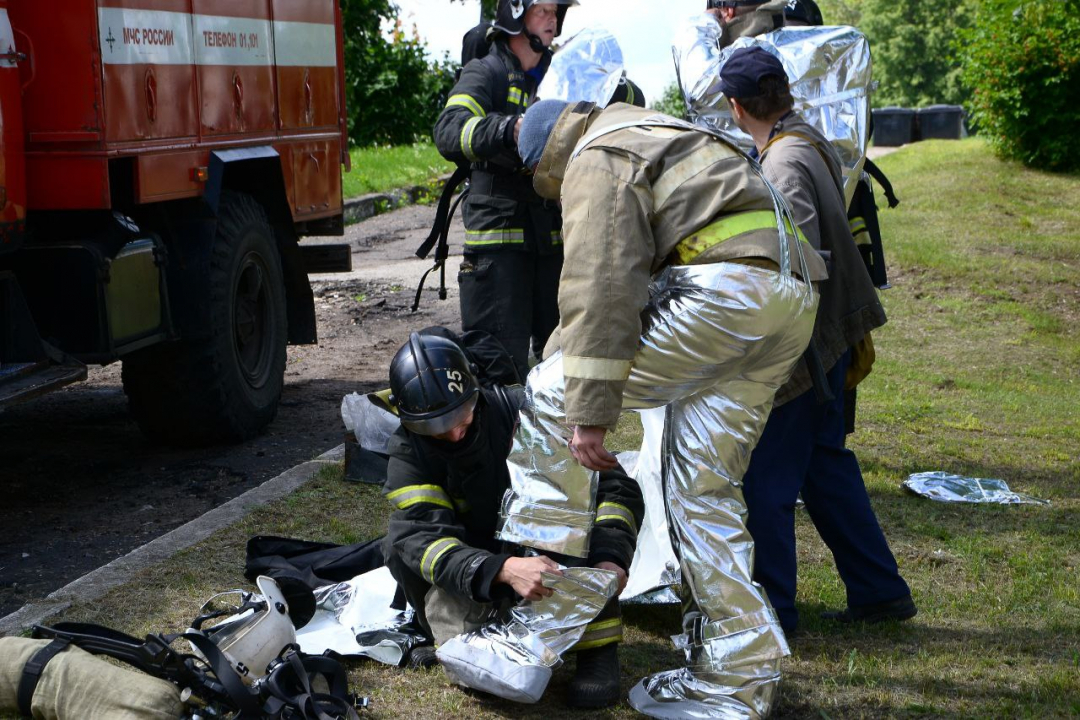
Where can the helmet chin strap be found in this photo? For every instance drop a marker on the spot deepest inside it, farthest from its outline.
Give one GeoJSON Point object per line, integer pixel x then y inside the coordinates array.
{"type": "Point", "coordinates": [535, 43]}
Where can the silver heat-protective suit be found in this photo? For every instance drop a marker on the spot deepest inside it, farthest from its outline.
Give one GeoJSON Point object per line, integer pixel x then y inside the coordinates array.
{"type": "Point", "coordinates": [717, 342]}
{"type": "Point", "coordinates": [829, 70]}
{"type": "Point", "coordinates": [513, 656]}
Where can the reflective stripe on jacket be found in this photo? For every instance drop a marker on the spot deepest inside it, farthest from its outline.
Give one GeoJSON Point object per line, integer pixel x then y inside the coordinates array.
{"type": "Point", "coordinates": [502, 211]}
{"type": "Point", "coordinates": [446, 499]}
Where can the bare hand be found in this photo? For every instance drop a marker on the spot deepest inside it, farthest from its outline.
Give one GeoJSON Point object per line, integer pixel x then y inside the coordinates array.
{"type": "Point", "coordinates": [517, 130]}
{"type": "Point", "coordinates": [587, 447]}
{"type": "Point", "coordinates": [619, 573]}
{"type": "Point", "coordinates": [525, 576]}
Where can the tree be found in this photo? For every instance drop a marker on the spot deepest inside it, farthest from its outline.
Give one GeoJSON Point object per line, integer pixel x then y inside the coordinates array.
{"type": "Point", "coordinates": [671, 101]}
{"type": "Point", "coordinates": [393, 93]}
{"type": "Point", "coordinates": [841, 12]}
{"type": "Point", "coordinates": [912, 44]}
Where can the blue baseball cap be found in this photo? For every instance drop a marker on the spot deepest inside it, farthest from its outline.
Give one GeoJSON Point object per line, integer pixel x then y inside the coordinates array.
{"type": "Point", "coordinates": [743, 70]}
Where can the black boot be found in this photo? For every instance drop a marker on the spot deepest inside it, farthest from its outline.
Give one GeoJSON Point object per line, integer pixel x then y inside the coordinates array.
{"type": "Point", "coordinates": [596, 678]}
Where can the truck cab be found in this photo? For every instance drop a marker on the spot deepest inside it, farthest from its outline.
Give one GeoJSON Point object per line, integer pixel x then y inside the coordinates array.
{"type": "Point", "coordinates": [162, 161]}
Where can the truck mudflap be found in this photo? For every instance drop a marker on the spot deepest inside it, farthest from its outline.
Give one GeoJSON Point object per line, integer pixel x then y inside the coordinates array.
{"type": "Point", "coordinates": [29, 367]}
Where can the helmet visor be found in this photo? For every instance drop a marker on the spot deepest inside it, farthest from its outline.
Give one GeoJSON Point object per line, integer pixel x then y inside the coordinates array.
{"type": "Point", "coordinates": [442, 423]}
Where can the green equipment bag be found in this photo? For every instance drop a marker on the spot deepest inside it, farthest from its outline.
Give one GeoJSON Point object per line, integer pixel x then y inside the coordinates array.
{"type": "Point", "coordinates": [64, 682]}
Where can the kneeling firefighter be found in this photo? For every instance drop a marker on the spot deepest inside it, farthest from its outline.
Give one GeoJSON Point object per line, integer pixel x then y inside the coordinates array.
{"type": "Point", "coordinates": [446, 478]}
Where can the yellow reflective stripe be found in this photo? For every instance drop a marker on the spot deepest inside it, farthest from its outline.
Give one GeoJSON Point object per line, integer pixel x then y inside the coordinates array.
{"type": "Point", "coordinates": [467, 131]}
{"type": "Point", "coordinates": [603, 624]}
{"type": "Point", "coordinates": [515, 96]}
{"type": "Point", "coordinates": [600, 633]}
{"type": "Point", "coordinates": [414, 494]}
{"type": "Point", "coordinates": [467, 102]}
{"type": "Point", "coordinates": [590, 368]}
{"type": "Point", "coordinates": [857, 224]}
{"type": "Point", "coordinates": [726, 228]}
{"type": "Point", "coordinates": [615, 511]}
{"type": "Point", "coordinates": [503, 236]}
{"type": "Point", "coordinates": [434, 553]}
{"type": "Point", "coordinates": [629, 93]}
{"type": "Point", "coordinates": [698, 161]}
{"type": "Point", "coordinates": [556, 237]}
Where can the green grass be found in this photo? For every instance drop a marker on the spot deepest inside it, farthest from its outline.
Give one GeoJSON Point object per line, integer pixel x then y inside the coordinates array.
{"type": "Point", "coordinates": [380, 169]}
{"type": "Point", "coordinates": [978, 373]}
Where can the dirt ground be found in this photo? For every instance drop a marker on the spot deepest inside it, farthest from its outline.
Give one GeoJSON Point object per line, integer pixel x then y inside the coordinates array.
{"type": "Point", "coordinates": [80, 486]}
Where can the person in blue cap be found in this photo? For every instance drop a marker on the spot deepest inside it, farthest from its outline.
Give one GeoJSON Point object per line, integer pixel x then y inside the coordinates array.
{"type": "Point", "coordinates": [802, 446]}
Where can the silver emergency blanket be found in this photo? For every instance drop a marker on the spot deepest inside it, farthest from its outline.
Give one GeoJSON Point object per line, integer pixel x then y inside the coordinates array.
{"type": "Point", "coordinates": [946, 487]}
{"type": "Point", "coordinates": [588, 66]}
{"type": "Point", "coordinates": [829, 70]}
{"type": "Point", "coordinates": [512, 657]}
{"type": "Point", "coordinates": [354, 618]}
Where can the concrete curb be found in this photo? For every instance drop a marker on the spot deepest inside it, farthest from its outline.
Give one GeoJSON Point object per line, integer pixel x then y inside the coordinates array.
{"type": "Point", "coordinates": [97, 582]}
{"type": "Point", "coordinates": [366, 206]}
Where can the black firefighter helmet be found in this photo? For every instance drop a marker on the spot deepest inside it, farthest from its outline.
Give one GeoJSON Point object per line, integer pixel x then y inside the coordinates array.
{"type": "Point", "coordinates": [510, 17]}
{"type": "Point", "coordinates": [803, 12]}
{"type": "Point", "coordinates": [433, 384]}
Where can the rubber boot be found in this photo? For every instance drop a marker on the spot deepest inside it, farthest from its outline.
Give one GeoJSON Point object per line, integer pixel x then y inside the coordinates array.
{"type": "Point", "coordinates": [596, 678]}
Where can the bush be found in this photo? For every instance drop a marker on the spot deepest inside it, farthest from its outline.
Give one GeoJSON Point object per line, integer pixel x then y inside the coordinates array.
{"type": "Point", "coordinates": [1021, 61]}
{"type": "Point", "coordinates": [392, 92]}
{"type": "Point", "coordinates": [912, 45]}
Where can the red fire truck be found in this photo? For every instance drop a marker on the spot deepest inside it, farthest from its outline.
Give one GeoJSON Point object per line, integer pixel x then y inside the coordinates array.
{"type": "Point", "coordinates": [161, 160]}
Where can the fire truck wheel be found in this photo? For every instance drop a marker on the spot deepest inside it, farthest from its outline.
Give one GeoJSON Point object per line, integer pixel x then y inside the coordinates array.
{"type": "Point", "coordinates": [223, 386]}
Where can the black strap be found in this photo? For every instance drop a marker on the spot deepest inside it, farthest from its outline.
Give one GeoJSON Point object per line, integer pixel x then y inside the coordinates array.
{"type": "Point", "coordinates": [443, 213]}
{"type": "Point", "coordinates": [31, 673]}
{"type": "Point", "coordinates": [875, 172]}
{"type": "Point", "coordinates": [246, 701]}
{"type": "Point", "coordinates": [441, 253]}
{"type": "Point", "coordinates": [334, 705]}
{"type": "Point", "coordinates": [820, 380]}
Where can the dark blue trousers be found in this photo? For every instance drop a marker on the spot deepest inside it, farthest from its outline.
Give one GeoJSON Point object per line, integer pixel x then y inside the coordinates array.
{"type": "Point", "coordinates": [802, 450]}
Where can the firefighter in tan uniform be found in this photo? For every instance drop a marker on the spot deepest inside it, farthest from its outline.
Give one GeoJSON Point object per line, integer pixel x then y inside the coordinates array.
{"type": "Point", "coordinates": [686, 286]}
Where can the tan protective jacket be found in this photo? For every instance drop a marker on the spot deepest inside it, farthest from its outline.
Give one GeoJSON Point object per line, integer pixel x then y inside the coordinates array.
{"type": "Point", "coordinates": [629, 197]}
{"type": "Point", "coordinates": [804, 166]}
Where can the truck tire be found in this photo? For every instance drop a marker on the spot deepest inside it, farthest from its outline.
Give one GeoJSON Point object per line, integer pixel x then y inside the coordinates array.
{"type": "Point", "coordinates": [223, 385]}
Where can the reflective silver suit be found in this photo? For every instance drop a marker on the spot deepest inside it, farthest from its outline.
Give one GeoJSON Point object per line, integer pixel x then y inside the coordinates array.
{"type": "Point", "coordinates": [717, 340]}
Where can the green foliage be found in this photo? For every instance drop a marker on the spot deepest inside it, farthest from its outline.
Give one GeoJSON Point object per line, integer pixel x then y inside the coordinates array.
{"type": "Point", "coordinates": [841, 12]}
{"type": "Point", "coordinates": [1022, 64]}
{"type": "Point", "coordinates": [392, 91]}
{"type": "Point", "coordinates": [912, 44]}
{"type": "Point", "coordinates": [671, 102]}
{"type": "Point", "coordinates": [379, 169]}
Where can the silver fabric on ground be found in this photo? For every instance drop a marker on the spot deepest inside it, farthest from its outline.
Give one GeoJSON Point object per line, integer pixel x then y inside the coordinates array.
{"type": "Point", "coordinates": [354, 618]}
{"type": "Point", "coordinates": [829, 70]}
{"type": "Point", "coordinates": [588, 66]}
{"type": "Point", "coordinates": [946, 487]}
{"type": "Point", "coordinates": [513, 657]}
{"type": "Point", "coordinates": [717, 342]}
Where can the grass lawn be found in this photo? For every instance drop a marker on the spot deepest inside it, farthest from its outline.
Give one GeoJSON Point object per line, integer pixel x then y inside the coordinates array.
{"type": "Point", "coordinates": [978, 373]}
{"type": "Point", "coordinates": [379, 169]}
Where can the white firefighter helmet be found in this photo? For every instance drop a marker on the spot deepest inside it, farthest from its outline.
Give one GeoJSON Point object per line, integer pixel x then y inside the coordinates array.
{"type": "Point", "coordinates": [254, 629]}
